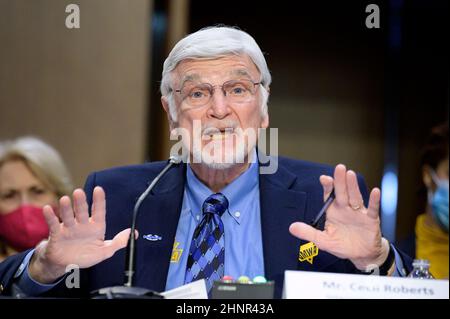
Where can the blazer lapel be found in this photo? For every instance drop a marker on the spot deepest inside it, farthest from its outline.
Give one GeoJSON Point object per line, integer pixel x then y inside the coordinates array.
{"type": "Point", "coordinates": [159, 216]}
{"type": "Point", "coordinates": [280, 207]}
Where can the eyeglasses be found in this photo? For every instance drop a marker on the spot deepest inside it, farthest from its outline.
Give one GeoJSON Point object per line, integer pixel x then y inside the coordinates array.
{"type": "Point", "coordinates": [235, 91]}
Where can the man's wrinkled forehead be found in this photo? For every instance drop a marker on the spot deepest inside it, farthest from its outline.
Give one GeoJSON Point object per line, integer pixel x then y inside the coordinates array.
{"type": "Point", "coordinates": [232, 74]}
{"type": "Point", "coordinates": [195, 70]}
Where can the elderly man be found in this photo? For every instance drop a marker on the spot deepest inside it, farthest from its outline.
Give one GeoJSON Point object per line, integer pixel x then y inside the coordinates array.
{"type": "Point", "coordinates": [211, 217]}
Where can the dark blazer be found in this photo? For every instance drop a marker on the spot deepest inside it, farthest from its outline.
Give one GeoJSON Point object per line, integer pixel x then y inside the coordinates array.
{"type": "Point", "coordinates": [293, 193]}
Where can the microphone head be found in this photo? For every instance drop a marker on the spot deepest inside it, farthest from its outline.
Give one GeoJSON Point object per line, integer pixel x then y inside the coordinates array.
{"type": "Point", "coordinates": [175, 159]}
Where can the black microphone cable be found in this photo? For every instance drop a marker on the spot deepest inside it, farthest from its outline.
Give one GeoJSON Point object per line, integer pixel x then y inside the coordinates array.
{"type": "Point", "coordinates": [131, 247]}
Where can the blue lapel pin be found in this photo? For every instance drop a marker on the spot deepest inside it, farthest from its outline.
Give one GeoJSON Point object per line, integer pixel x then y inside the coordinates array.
{"type": "Point", "coordinates": [152, 237]}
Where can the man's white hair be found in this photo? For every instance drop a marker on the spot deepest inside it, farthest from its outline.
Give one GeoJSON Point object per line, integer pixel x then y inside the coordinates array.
{"type": "Point", "coordinates": [210, 43]}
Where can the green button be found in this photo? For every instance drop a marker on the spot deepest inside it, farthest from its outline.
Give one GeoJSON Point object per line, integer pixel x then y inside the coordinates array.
{"type": "Point", "coordinates": [259, 280]}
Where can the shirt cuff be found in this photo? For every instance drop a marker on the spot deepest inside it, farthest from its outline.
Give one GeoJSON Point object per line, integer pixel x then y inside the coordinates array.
{"type": "Point", "coordinates": [399, 270]}
{"type": "Point", "coordinates": [27, 285]}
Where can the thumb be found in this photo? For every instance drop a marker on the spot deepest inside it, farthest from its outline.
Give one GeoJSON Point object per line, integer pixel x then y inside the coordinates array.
{"type": "Point", "coordinates": [121, 239]}
{"type": "Point", "coordinates": [308, 233]}
{"type": "Point", "coordinates": [118, 242]}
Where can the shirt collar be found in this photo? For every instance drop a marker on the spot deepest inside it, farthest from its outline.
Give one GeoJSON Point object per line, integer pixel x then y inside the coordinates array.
{"type": "Point", "coordinates": [235, 191]}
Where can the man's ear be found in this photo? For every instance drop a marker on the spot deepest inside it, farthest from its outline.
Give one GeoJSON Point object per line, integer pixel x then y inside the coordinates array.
{"type": "Point", "coordinates": [165, 105]}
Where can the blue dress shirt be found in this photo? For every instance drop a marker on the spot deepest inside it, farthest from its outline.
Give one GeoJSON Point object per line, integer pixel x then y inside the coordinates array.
{"type": "Point", "coordinates": [242, 223]}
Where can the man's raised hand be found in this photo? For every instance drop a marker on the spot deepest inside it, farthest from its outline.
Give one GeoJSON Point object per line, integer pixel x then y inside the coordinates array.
{"type": "Point", "coordinates": [352, 231]}
{"type": "Point", "coordinates": [77, 239]}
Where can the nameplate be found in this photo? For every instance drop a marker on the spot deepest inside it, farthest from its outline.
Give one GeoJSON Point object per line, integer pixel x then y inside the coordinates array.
{"type": "Point", "coordinates": [193, 290]}
{"type": "Point", "coordinates": [317, 285]}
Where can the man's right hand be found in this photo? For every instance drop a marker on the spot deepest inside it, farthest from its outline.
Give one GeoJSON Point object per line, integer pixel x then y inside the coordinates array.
{"type": "Point", "coordinates": [78, 239]}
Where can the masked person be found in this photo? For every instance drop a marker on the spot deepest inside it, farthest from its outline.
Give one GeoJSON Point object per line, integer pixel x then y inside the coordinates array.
{"type": "Point", "coordinates": [432, 226]}
{"type": "Point", "coordinates": [32, 174]}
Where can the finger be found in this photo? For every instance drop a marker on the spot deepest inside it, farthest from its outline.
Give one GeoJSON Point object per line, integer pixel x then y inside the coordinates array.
{"type": "Point", "coordinates": [354, 194]}
{"type": "Point", "coordinates": [51, 219]}
{"type": "Point", "coordinates": [118, 242]}
{"type": "Point", "coordinates": [374, 203]}
{"type": "Point", "coordinates": [56, 210]}
{"type": "Point", "coordinates": [80, 206]}
{"type": "Point", "coordinates": [310, 234]}
{"type": "Point", "coordinates": [66, 211]}
{"type": "Point", "coordinates": [340, 185]}
{"type": "Point", "coordinates": [98, 205]}
{"type": "Point", "coordinates": [327, 184]}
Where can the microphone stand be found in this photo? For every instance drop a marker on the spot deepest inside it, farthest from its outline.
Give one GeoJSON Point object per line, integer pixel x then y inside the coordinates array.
{"type": "Point", "coordinates": [128, 291]}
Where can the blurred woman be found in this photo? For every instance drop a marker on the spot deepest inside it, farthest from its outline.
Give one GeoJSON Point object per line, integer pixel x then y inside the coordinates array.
{"type": "Point", "coordinates": [432, 226]}
{"type": "Point", "coordinates": [32, 174]}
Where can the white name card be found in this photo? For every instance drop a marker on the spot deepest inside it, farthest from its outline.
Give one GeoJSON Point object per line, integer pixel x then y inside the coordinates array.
{"type": "Point", "coordinates": [194, 290]}
{"type": "Point", "coordinates": [317, 285]}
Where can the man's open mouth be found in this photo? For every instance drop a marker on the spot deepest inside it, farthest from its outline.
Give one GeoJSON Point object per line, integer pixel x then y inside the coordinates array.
{"type": "Point", "coordinates": [219, 134]}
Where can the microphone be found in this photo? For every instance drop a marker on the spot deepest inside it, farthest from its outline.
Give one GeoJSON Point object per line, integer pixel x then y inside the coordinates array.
{"type": "Point", "coordinates": [131, 247]}
{"type": "Point", "coordinates": [127, 290]}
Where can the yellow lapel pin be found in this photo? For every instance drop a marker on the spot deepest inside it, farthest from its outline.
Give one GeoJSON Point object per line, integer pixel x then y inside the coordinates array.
{"type": "Point", "coordinates": [308, 252]}
{"type": "Point", "coordinates": [176, 253]}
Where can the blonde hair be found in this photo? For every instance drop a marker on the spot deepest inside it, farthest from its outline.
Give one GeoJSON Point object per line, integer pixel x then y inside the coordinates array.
{"type": "Point", "coordinates": [42, 160]}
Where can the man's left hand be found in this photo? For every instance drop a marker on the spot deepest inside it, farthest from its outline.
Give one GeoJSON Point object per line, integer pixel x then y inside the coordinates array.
{"type": "Point", "coordinates": [351, 231]}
